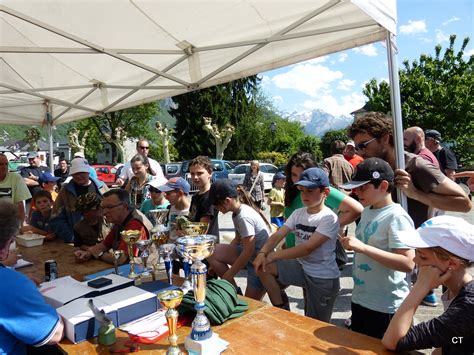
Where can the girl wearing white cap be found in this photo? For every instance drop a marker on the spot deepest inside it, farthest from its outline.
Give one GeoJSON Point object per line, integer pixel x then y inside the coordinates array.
{"type": "Point", "coordinates": [444, 252]}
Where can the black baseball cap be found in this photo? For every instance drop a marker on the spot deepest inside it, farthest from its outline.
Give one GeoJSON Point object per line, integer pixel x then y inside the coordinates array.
{"type": "Point", "coordinates": [221, 189]}
{"type": "Point", "coordinates": [433, 134]}
{"type": "Point", "coordinates": [370, 170]}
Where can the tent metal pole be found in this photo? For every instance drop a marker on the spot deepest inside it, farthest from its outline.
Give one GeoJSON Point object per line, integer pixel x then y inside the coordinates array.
{"type": "Point", "coordinates": [396, 113]}
{"type": "Point", "coordinates": [49, 122]}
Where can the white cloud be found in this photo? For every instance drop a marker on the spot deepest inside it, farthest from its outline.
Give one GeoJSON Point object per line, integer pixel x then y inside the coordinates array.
{"type": "Point", "coordinates": [413, 27]}
{"type": "Point", "coordinates": [342, 57]}
{"type": "Point", "coordinates": [345, 84]}
{"type": "Point", "coordinates": [468, 53]}
{"type": "Point", "coordinates": [312, 80]}
{"type": "Point", "coordinates": [277, 99]}
{"type": "Point", "coordinates": [369, 50]}
{"type": "Point", "coordinates": [265, 81]}
{"type": "Point", "coordinates": [317, 60]}
{"type": "Point", "coordinates": [337, 107]}
{"type": "Point", "coordinates": [452, 19]}
{"type": "Point", "coordinates": [383, 79]}
{"type": "Point", "coordinates": [441, 36]}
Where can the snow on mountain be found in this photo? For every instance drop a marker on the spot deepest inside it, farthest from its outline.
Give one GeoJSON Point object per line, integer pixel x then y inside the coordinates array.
{"type": "Point", "coordinates": [317, 122]}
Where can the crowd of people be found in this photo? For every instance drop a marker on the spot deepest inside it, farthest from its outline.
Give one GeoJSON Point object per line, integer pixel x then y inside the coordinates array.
{"type": "Point", "coordinates": [303, 244]}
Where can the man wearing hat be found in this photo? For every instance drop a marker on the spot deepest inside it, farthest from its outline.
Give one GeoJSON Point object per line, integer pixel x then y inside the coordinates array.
{"type": "Point", "coordinates": [350, 154]}
{"type": "Point", "coordinates": [446, 158]}
{"type": "Point", "coordinates": [31, 173]}
{"type": "Point", "coordinates": [65, 215]}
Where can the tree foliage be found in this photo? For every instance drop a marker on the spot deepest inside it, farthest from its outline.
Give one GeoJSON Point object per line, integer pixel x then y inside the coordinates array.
{"type": "Point", "coordinates": [331, 136]}
{"type": "Point", "coordinates": [436, 92]}
{"type": "Point", "coordinates": [311, 144]}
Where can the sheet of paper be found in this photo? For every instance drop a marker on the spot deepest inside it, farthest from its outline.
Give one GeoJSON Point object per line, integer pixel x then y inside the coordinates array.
{"type": "Point", "coordinates": [20, 263]}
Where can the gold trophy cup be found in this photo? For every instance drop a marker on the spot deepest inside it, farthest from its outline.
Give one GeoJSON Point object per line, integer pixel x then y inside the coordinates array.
{"type": "Point", "coordinates": [171, 299]}
{"type": "Point", "coordinates": [130, 237]}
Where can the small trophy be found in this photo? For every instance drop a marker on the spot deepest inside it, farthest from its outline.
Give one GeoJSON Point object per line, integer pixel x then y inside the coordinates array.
{"type": "Point", "coordinates": [159, 215]}
{"type": "Point", "coordinates": [130, 237]}
{"type": "Point", "coordinates": [117, 254]}
{"type": "Point", "coordinates": [202, 340]}
{"type": "Point", "coordinates": [166, 250]}
{"type": "Point", "coordinates": [144, 245]}
{"type": "Point", "coordinates": [171, 299]}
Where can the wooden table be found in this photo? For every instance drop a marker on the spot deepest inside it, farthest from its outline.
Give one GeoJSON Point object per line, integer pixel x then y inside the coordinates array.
{"type": "Point", "coordinates": [63, 254]}
{"type": "Point", "coordinates": [262, 329]}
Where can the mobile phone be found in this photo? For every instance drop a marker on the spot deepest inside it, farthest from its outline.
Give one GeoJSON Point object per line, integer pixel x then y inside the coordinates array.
{"type": "Point", "coordinates": [100, 282]}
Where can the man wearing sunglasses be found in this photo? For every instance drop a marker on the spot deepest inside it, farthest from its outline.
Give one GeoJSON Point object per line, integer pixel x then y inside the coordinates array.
{"type": "Point", "coordinates": [143, 148]}
{"type": "Point", "coordinates": [424, 184]}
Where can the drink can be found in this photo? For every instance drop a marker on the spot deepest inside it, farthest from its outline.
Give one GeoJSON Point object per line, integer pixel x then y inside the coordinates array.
{"type": "Point", "coordinates": [50, 270]}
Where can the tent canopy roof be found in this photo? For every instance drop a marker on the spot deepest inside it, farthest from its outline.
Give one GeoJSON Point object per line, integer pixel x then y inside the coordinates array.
{"type": "Point", "coordinates": [86, 57]}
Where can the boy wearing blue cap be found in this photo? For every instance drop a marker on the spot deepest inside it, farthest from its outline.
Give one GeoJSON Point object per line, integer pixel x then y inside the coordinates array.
{"type": "Point", "coordinates": [311, 264]}
{"type": "Point", "coordinates": [276, 199]}
{"type": "Point", "coordinates": [381, 259]}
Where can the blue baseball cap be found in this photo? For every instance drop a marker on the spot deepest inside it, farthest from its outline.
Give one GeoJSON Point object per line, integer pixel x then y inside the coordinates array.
{"type": "Point", "coordinates": [313, 178]}
{"type": "Point", "coordinates": [176, 183]}
{"type": "Point", "coordinates": [221, 189]}
{"type": "Point", "coordinates": [47, 177]}
{"type": "Point", "coordinates": [279, 175]}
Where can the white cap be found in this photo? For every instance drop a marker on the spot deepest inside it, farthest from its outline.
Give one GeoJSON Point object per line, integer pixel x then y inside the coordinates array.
{"type": "Point", "coordinates": [451, 233]}
{"type": "Point", "coordinates": [157, 182]}
{"type": "Point", "coordinates": [351, 143]}
{"type": "Point", "coordinates": [79, 165]}
{"type": "Point", "coordinates": [79, 155]}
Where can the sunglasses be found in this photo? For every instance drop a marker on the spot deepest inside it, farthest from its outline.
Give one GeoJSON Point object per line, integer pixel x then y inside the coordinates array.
{"type": "Point", "coordinates": [363, 145]}
{"type": "Point", "coordinates": [144, 147]}
{"type": "Point", "coordinates": [154, 189]}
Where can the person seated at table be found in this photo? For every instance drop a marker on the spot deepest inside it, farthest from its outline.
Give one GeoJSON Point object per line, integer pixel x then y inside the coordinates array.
{"type": "Point", "coordinates": [93, 228]}
{"type": "Point", "coordinates": [381, 259]}
{"type": "Point", "coordinates": [156, 201]}
{"type": "Point", "coordinates": [251, 233]}
{"type": "Point", "coordinates": [41, 216]}
{"type": "Point", "coordinates": [138, 186]}
{"type": "Point", "coordinates": [311, 264]}
{"type": "Point", "coordinates": [25, 318]}
{"type": "Point", "coordinates": [444, 255]}
{"type": "Point", "coordinates": [117, 209]}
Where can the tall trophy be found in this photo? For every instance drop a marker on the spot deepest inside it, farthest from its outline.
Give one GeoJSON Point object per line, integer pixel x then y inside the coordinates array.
{"type": "Point", "coordinates": [159, 215]}
{"type": "Point", "coordinates": [117, 254]}
{"type": "Point", "coordinates": [171, 299]}
{"type": "Point", "coordinates": [130, 237]}
{"type": "Point", "coordinates": [201, 340]}
{"type": "Point", "coordinates": [166, 250]}
{"type": "Point", "coordinates": [144, 245]}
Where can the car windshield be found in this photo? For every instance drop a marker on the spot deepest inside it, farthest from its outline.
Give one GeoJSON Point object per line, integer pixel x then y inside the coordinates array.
{"type": "Point", "coordinates": [241, 169]}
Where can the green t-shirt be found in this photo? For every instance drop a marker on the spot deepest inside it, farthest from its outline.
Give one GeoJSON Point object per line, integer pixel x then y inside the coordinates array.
{"type": "Point", "coordinates": [333, 201]}
{"type": "Point", "coordinates": [14, 189]}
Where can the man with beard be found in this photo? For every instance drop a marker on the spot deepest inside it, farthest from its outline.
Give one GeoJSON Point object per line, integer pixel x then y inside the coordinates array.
{"type": "Point", "coordinates": [414, 142]}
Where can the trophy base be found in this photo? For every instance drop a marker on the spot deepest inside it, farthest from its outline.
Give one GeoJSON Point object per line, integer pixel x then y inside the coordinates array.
{"type": "Point", "coordinates": [213, 345]}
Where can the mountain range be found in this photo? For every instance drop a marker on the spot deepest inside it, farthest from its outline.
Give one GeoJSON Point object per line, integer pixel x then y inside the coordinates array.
{"type": "Point", "coordinates": [317, 122]}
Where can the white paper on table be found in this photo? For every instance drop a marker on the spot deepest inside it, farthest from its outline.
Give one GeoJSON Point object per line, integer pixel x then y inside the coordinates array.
{"type": "Point", "coordinates": [153, 322]}
{"type": "Point", "coordinates": [20, 263]}
{"type": "Point", "coordinates": [62, 290]}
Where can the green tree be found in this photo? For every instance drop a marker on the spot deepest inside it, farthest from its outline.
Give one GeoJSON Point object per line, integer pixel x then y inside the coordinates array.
{"type": "Point", "coordinates": [115, 127]}
{"type": "Point", "coordinates": [225, 103]}
{"type": "Point", "coordinates": [311, 144]}
{"type": "Point", "coordinates": [331, 136]}
{"type": "Point", "coordinates": [436, 92]}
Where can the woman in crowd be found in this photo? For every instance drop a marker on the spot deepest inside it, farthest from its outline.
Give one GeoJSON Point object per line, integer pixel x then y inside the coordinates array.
{"type": "Point", "coordinates": [138, 186]}
{"type": "Point", "coordinates": [253, 183]}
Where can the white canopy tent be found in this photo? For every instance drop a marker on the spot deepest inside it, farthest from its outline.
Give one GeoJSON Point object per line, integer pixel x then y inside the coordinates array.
{"type": "Point", "coordinates": [63, 60]}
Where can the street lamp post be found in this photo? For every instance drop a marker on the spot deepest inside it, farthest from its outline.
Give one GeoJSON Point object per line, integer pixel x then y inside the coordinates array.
{"type": "Point", "coordinates": [273, 128]}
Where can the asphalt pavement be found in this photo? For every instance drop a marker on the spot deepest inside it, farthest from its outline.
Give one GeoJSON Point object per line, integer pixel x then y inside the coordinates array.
{"type": "Point", "coordinates": [343, 302]}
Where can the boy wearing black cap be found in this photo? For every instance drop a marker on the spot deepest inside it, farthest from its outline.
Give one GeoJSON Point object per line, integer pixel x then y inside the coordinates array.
{"type": "Point", "coordinates": [381, 259]}
{"type": "Point", "coordinates": [311, 264]}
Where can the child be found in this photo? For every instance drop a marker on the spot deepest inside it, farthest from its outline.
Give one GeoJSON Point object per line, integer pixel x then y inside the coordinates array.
{"type": "Point", "coordinates": [156, 201]}
{"type": "Point", "coordinates": [276, 199]}
{"type": "Point", "coordinates": [251, 232]}
{"type": "Point", "coordinates": [93, 228]}
{"type": "Point", "coordinates": [444, 252]}
{"type": "Point", "coordinates": [48, 182]}
{"type": "Point", "coordinates": [41, 216]}
{"type": "Point", "coordinates": [381, 259]}
{"type": "Point", "coordinates": [176, 191]}
{"type": "Point", "coordinates": [200, 211]}
{"type": "Point", "coordinates": [311, 264]}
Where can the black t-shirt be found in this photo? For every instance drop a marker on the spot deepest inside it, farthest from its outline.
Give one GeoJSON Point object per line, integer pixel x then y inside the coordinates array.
{"type": "Point", "coordinates": [61, 175]}
{"type": "Point", "coordinates": [82, 190]}
{"type": "Point", "coordinates": [27, 170]}
{"type": "Point", "coordinates": [200, 208]}
{"type": "Point", "coordinates": [446, 159]}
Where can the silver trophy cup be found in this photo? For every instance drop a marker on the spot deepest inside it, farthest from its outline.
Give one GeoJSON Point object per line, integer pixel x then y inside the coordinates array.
{"type": "Point", "coordinates": [197, 248]}
{"type": "Point", "coordinates": [144, 248]}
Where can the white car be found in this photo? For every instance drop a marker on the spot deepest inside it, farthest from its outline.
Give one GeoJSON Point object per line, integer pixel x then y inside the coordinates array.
{"type": "Point", "coordinates": [238, 174]}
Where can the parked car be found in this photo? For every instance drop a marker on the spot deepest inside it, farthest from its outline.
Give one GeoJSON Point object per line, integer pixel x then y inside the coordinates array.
{"type": "Point", "coordinates": [237, 176]}
{"type": "Point", "coordinates": [220, 170]}
{"type": "Point", "coordinates": [171, 169]}
{"type": "Point", "coordinates": [106, 173]}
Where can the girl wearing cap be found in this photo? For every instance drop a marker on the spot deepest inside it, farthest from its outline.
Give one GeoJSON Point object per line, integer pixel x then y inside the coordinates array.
{"type": "Point", "coordinates": [444, 252]}
{"type": "Point", "coordinates": [137, 186]}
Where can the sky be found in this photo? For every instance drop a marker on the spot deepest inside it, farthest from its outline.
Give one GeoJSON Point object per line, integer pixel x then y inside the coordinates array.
{"type": "Point", "coordinates": [334, 83]}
